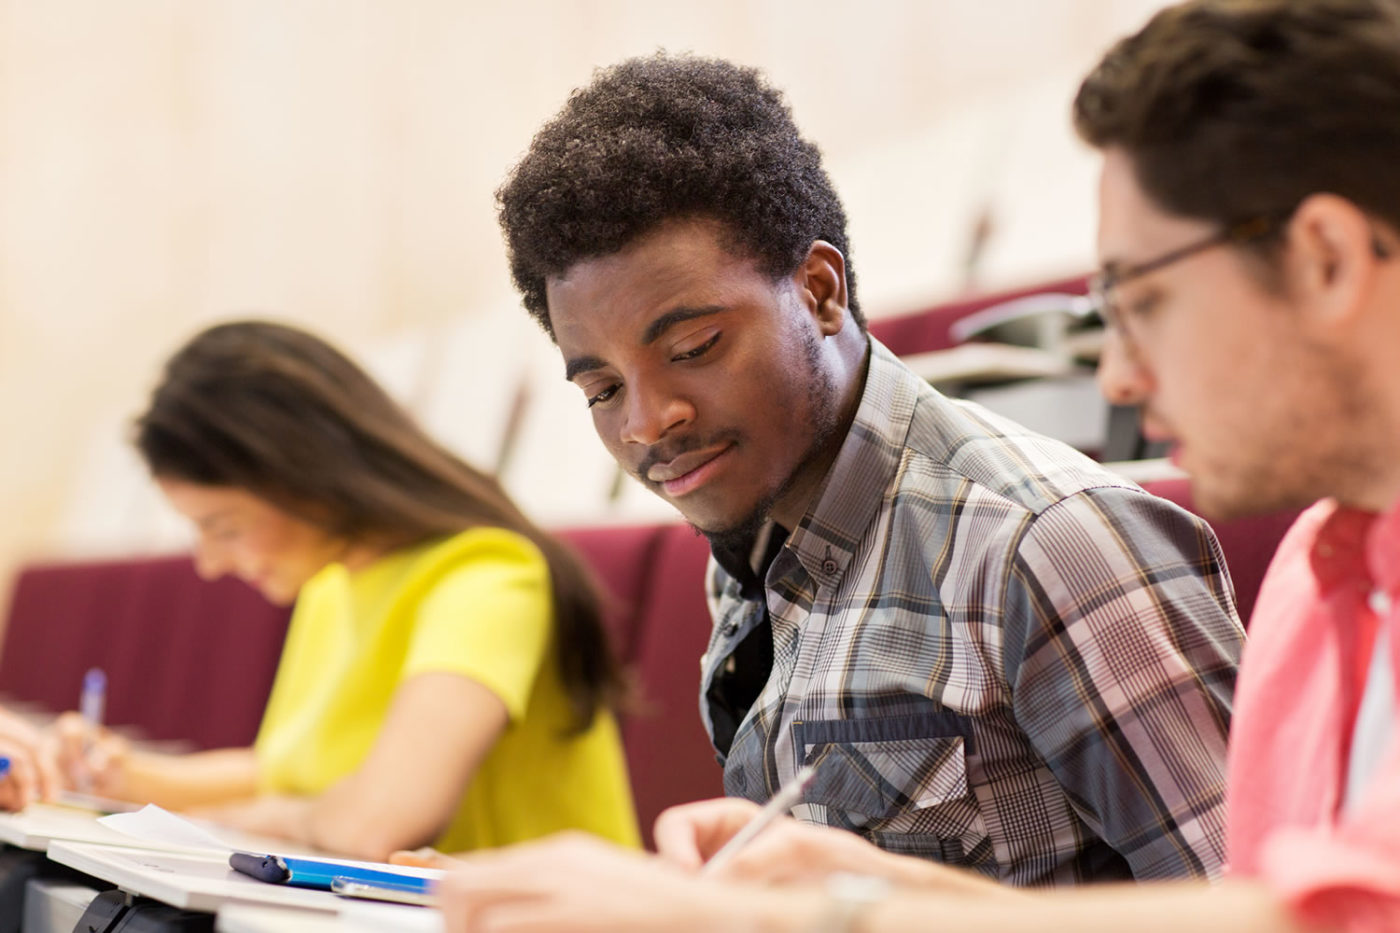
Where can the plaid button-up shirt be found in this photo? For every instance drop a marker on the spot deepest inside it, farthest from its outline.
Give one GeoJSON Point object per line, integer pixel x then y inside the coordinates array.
{"type": "Point", "coordinates": [1002, 655]}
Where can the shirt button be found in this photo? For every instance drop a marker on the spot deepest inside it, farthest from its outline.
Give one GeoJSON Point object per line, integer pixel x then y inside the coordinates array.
{"type": "Point", "coordinates": [828, 566]}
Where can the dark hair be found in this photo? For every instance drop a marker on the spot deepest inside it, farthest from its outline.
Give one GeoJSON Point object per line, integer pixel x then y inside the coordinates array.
{"type": "Point", "coordinates": [660, 138]}
{"type": "Point", "coordinates": [281, 414]}
{"type": "Point", "coordinates": [1235, 109]}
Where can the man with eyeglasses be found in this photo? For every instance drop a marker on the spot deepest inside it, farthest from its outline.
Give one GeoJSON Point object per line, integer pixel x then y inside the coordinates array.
{"type": "Point", "coordinates": [1249, 224]}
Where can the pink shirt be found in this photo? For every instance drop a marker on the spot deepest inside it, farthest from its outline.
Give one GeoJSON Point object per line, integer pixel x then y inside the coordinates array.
{"type": "Point", "coordinates": [1300, 683]}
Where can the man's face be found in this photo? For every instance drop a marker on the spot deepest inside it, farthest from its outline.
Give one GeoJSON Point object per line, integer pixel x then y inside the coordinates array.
{"type": "Point", "coordinates": [1220, 363]}
{"type": "Point", "coordinates": [707, 379]}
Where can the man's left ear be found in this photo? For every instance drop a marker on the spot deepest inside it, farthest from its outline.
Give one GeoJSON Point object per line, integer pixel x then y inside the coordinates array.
{"type": "Point", "coordinates": [823, 280]}
{"type": "Point", "coordinates": [1332, 258]}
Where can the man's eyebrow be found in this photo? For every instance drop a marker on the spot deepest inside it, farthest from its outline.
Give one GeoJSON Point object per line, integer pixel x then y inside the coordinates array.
{"type": "Point", "coordinates": [673, 317]}
{"type": "Point", "coordinates": [581, 364]}
{"type": "Point", "coordinates": [655, 329]}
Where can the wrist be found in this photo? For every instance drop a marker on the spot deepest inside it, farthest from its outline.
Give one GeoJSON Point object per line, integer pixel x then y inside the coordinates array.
{"type": "Point", "coordinates": [769, 910]}
{"type": "Point", "coordinates": [301, 815]}
{"type": "Point", "coordinates": [848, 899]}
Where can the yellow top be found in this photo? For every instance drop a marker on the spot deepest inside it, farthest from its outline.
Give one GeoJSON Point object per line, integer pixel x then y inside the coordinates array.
{"type": "Point", "coordinates": [476, 604]}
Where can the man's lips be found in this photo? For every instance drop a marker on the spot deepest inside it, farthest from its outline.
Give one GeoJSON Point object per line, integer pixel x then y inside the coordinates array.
{"type": "Point", "coordinates": [688, 471]}
{"type": "Point", "coordinates": [1154, 429]}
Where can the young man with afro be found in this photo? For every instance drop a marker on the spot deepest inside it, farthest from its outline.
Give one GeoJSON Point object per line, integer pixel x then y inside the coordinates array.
{"type": "Point", "coordinates": [1249, 229]}
{"type": "Point", "coordinates": [996, 653]}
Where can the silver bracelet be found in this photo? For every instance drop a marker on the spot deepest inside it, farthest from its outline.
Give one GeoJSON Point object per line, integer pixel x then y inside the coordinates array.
{"type": "Point", "coordinates": [848, 897]}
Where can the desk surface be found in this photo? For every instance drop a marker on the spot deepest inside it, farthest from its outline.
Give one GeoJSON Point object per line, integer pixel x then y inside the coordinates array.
{"type": "Point", "coordinates": [192, 882]}
{"type": "Point", "coordinates": [40, 824]}
{"type": "Point", "coordinates": [353, 918]}
{"type": "Point", "coordinates": [252, 918]}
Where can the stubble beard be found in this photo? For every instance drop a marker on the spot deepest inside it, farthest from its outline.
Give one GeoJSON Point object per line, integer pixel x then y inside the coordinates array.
{"type": "Point", "coordinates": [1327, 449]}
{"type": "Point", "coordinates": [823, 422]}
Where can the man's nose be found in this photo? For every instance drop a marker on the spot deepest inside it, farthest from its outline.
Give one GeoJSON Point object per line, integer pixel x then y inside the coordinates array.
{"type": "Point", "coordinates": [1122, 376]}
{"type": "Point", "coordinates": [652, 412]}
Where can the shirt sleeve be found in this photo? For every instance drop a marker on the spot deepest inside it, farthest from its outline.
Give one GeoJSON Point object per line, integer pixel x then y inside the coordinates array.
{"type": "Point", "coordinates": [1345, 876]}
{"type": "Point", "coordinates": [1122, 647]}
{"type": "Point", "coordinates": [488, 618]}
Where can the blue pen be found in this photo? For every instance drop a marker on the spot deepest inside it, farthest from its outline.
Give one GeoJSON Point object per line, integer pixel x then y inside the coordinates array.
{"type": "Point", "coordinates": [313, 873]}
{"type": "Point", "coordinates": [92, 706]}
{"type": "Point", "coordinates": [4, 767]}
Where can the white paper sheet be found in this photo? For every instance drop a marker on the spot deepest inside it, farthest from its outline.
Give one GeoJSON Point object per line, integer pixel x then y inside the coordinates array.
{"type": "Point", "coordinates": [156, 825]}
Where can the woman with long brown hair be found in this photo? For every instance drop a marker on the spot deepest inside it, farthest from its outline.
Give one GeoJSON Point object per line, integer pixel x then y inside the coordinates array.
{"type": "Point", "coordinates": [445, 679]}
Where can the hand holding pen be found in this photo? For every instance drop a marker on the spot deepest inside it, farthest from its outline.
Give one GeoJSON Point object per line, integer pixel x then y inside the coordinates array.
{"type": "Point", "coordinates": [715, 836]}
{"type": "Point", "coordinates": [787, 797]}
{"type": "Point", "coordinates": [734, 839]}
{"type": "Point", "coordinates": [92, 759]}
{"type": "Point", "coordinates": [27, 770]}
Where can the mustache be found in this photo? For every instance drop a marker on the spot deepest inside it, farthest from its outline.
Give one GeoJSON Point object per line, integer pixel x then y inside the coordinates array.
{"type": "Point", "coordinates": [666, 452]}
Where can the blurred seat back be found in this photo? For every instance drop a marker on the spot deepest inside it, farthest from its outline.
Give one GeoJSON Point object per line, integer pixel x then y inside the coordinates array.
{"type": "Point", "coordinates": [185, 659]}
{"type": "Point", "coordinates": [927, 330]}
{"type": "Point", "coordinates": [656, 578]}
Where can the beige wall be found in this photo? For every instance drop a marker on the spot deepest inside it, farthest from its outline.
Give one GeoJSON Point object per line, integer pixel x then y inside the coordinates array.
{"type": "Point", "coordinates": [164, 163]}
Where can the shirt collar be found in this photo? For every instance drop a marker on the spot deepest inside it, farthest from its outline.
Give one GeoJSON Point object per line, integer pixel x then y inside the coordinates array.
{"type": "Point", "coordinates": [853, 492]}
{"type": "Point", "coordinates": [1355, 547]}
{"type": "Point", "coordinates": [747, 565]}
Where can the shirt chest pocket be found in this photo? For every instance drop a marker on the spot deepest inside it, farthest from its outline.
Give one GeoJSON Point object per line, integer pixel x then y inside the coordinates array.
{"type": "Point", "coordinates": [901, 783]}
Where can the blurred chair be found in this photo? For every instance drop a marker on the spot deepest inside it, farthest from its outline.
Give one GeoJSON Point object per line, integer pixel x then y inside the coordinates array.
{"type": "Point", "coordinates": [186, 659]}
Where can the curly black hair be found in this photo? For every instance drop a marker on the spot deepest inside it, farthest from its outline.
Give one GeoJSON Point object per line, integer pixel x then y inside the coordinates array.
{"type": "Point", "coordinates": [662, 137]}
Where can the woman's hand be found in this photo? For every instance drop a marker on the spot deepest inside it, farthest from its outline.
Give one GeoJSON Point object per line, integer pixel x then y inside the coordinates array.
{"type": "Point", "coordinates": [89, 758]}
{"type": "Point", "coordinates": [32, 773]}
{"type": "Point", "coordinates": [280, 816]}
{"type": "Point", "coordinates": [426, 857]}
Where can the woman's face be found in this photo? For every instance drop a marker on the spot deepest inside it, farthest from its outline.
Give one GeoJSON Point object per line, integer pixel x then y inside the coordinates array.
{"type": "Point", "coordinates": [239, 533]}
